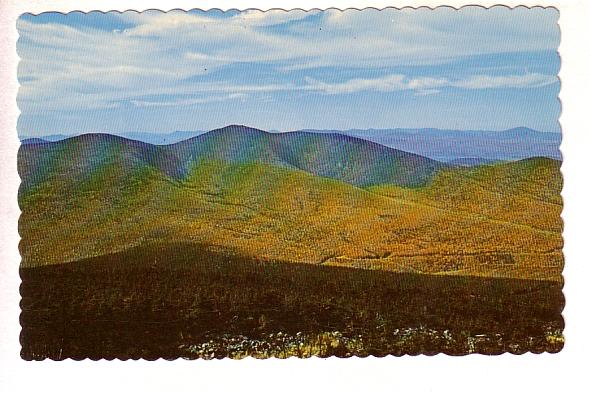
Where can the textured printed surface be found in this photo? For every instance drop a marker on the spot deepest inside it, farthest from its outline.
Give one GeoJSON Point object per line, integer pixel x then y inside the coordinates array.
{"type": "Point", "coordinates": [355, 234]}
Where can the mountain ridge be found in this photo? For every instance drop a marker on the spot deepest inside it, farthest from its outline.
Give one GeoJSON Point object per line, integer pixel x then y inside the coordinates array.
{"type": "Point", "coordinates": [439, 144]}
{"type": "Point", "coordinates": [311, 198]}
{"type": "Point", "coordinates": [346, 158]}
{"type": "Point", "coordinates": [272, 212]}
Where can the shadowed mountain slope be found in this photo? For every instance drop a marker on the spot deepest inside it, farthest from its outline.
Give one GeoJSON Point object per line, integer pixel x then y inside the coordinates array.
{"type": "Point", "coordinates": [91, 158]}
{"type": "Point", "coordinates": [268, 213]}
{"type": "Point", "coordinates": [352, 160]}
{"type": "Point", "coordinates": [259, 195]}
{"type": "Point", "coordinates": [464, 146]}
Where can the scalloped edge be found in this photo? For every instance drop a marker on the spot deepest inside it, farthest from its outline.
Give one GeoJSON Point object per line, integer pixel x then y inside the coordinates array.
{"type": "Point", "coordinates": [348, 9]}
{"type": "Point", "coordinates": [295, 9]}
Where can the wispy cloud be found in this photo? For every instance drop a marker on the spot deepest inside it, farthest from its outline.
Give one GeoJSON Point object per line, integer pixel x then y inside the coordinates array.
{"type": "Point", "coordinates": [427, 92]}
{"type": "Point", "coordinates": [188, 102]}
{"type": "Point", "coordinates": [386, 83]}
{"type": "Point", "coordinates": [430, 85]}
{"type": "Point", "coordinates": [506, 81]}
{"type": "Point", "coordinates": [216, 57]}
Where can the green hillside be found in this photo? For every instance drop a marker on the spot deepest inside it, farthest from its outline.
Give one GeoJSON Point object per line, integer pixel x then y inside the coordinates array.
{"type": "Point", "coordinates": [524, 192]}
{"type": "Point", "coordinates": [276, 213]}
{"type": "Point", "coordinates": [348, 159]}
{"type": "Point", "coordinates": [355, 161]}
{"type": "Point", "coordinates": [86, 161]}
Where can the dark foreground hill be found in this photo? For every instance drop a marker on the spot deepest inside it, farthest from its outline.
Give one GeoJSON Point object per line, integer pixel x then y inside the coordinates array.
{"type": "Point", "coordinates": [196, 301]}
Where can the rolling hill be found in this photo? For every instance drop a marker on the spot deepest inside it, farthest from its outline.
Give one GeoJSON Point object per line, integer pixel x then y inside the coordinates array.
{"type": "Point", "coordinates": [295, 197]}
{"type": "Point", "coordinates": [525, 192]}
{"type": "Point", "coordinates": [344, 158]}
{"type": "Point", "coordinates": [91, 158]}
{"type": "Point", "coordinates": [336, 156]}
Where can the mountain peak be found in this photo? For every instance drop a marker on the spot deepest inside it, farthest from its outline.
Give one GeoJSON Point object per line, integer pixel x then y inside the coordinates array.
{"type": "Point", "coordinates": [235, 128]}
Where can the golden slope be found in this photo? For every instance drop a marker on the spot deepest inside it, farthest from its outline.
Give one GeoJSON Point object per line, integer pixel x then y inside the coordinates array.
{"type": "Point", "coordinates": [277, 213]}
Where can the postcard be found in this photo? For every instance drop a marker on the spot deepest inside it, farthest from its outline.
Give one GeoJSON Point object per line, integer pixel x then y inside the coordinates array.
{"type": "Point", "coordinates": [271, 184]}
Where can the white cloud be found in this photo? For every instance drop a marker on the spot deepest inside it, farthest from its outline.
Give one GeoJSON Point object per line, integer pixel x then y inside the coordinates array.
{"type": "Point", "coordinates": [506, 81]}
{"type": "Point", "coordinates": [430, 85]}
{"type": "Point", "coordinates": [68, 67]}
{"type": "Point", "coordinates": [386, 83]}
{"type": "Point", "coordinates": [188, 102]}
{"type": "Point", "coordinates": [222, 91]}
{"type": "Point", "coordinates": [158, 24]}
{"type": "Point", "coordinates": [254, 17]}
{"type": "Point", "coordinates": [427, 92]}
{"type": "Point", "coordinates": [426, 83]}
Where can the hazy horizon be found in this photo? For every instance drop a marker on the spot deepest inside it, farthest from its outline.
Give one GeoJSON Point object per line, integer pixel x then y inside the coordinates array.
{"type": "Point", "coordinates": [22, 137]}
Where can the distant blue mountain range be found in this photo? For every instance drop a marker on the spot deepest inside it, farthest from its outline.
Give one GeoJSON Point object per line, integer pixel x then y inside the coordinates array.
{"type": "Point", "coordinates": [462, 147]}
{"type": "Point", "coordinates": [465, 145]}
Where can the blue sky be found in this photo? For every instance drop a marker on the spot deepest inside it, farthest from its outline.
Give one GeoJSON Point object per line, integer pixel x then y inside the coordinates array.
{"type": "Point", "coordinates": [161, 72]}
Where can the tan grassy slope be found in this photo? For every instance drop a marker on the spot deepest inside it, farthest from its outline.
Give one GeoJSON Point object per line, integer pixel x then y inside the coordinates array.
{"type": "Point", "coordinates": [524, 192]}
{"type": "Point", "coordinates": [268, 212]}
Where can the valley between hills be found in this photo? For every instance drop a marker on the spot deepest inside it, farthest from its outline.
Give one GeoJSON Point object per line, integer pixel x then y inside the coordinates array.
{"type": "Point", "coordinates": [324, 199]}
